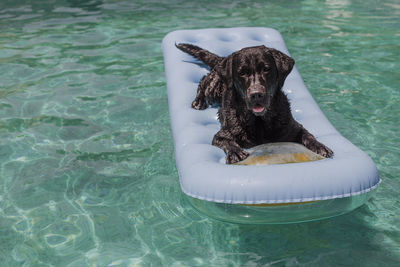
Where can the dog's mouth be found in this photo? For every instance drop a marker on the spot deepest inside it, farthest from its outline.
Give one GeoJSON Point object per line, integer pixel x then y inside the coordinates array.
{"type": "Point", "coordinates": [257, 100]}
{"type": "Point", "coordinates": [258, 110]}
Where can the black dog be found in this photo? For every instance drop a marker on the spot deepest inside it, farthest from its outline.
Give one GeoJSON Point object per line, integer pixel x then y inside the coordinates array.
{"type": "Point", "coordinates": [253, 109]}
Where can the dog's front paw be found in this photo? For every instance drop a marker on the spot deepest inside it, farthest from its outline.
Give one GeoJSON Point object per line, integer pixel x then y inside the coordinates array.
{"type": "Point", "coordinates": [325, 152]}
{"type": "Point", "coordinates": [199, 104]}
{"type": "Point", "coordinates": [235, 155]}
{"type": "Point", "coordinates": [320, 149]}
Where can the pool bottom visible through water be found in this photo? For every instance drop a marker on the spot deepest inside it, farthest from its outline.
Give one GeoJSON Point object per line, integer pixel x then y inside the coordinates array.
{"type": "Point", "coordinates": [87, 167]}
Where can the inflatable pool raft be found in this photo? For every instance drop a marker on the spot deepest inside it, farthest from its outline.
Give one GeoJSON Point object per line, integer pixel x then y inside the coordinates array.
{"type": "Point", "coordinates": [280, 193]}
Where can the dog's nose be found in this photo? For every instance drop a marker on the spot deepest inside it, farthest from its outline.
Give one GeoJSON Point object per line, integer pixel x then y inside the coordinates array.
{"type": "Point", "coordinates": [256, 97]}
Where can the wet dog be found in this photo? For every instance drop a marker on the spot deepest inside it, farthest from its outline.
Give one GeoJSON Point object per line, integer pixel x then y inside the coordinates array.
{"type": "Point", "coordinates": [253, 110]}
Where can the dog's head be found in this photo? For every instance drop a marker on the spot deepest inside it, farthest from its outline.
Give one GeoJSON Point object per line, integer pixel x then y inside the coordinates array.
{"type": "Point", "coordinates": [256, 73]}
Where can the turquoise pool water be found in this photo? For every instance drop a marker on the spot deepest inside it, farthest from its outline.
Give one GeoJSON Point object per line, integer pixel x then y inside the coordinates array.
{"type": "Point", "coordinates": [88, 175]}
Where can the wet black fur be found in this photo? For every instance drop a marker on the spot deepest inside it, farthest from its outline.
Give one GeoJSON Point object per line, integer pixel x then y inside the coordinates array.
{"type": "Point", "coordinates": [232, 82]}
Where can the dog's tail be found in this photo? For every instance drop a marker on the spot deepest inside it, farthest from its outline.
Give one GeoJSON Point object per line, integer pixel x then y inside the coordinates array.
{"type": "Point", "coordinates": [201, 54]}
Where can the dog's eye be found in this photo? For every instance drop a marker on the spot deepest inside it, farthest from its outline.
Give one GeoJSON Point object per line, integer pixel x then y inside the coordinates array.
{"type": "Point", "coordinates": [266, 68]}
{"type": "Point", "coordinates": [243, 72]}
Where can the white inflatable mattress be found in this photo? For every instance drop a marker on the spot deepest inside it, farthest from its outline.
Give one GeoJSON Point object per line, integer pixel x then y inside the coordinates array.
{"type": "Point", "coordinates": [201, 166]}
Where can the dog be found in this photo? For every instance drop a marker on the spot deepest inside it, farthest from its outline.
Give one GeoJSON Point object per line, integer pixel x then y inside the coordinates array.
{"type": "Point", "coordinates": [253, 110]}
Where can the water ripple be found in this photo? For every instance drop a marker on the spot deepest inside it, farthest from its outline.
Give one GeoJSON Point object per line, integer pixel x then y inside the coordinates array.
{"type": "Point", "coordinates": [87, 169]}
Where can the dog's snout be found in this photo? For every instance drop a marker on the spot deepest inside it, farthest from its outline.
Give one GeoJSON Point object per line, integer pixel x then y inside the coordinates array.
{"type": "Point", "coordinates": [256, 93]}
{"type": "Point", "coordinates": [256, 96]}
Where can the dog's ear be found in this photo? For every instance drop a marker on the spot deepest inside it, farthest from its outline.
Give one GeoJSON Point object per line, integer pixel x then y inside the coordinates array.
{"type": "Point", "coordinates": [224, 69]}
{"type": "Point", "coordinates": [284, 64]}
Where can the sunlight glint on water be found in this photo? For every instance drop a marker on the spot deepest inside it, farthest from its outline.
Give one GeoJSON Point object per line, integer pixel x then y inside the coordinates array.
{"type": "Point", "coordinates": [88, 176]}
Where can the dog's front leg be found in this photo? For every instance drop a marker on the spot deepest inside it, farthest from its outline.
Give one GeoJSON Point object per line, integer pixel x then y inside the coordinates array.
{"type": "Point", "coordinates": [200, 102]}
{"type": "Point", "coordinates": [208, 91]}
{"type": "Point", "coordinates": [310, 142]}
{"type": "Point", "coordinates": [225, 140]}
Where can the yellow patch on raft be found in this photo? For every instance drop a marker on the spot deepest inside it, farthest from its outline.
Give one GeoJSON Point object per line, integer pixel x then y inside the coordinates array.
{"type": "Point", "coordinates": [279, 153]}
